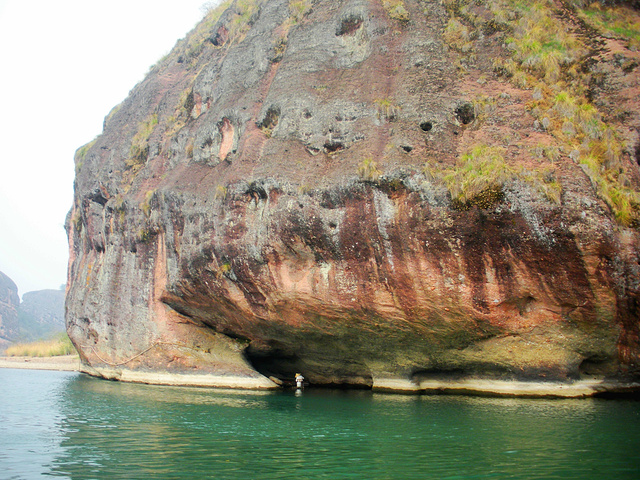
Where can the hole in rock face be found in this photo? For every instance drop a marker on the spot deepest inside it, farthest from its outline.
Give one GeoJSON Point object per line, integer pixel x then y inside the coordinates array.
{"type": "Point", "coordinates": [333, 146]}
{"type": "Point", "coordinates": [426, 126]}
{"type": "Point", "coordinates": [465, 114]}
{"type": "Point", "coordinates": [595, 365]}
{"type": "Point", "coordinates": [257, 191]}
{"type": "Point", "coordinates": [98, 197]}
{"type": "Point", "coordinates": [637, 151]}
{"type": "Point", "coordinates": [270, 120]}
{"type": "Point", "coordinates": [271, 117]}
{"type": "Point", "coordinates": [407, 148]}
{"type": "Point", "coordinates": [349, 25]}
{"type": "Point", "coordinates": [221, 36]}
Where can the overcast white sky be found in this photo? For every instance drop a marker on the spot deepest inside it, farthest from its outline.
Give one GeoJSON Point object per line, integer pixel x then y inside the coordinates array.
{"type": "Point", "coordinates": [64, 65]}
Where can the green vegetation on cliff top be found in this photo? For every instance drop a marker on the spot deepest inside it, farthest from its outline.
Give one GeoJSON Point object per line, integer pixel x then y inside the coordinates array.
{"type": "Point", "coordinates": [548, 58]}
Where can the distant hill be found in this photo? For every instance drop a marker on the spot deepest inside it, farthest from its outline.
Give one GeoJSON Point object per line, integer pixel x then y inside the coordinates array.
{"type": "Point", "coordinates": [40, 314]}
{"type": "Point", "coordinates": [9, 303]}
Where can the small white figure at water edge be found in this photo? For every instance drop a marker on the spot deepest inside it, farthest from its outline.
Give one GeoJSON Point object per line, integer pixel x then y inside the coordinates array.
{"type": "Point", "coordinates": [299, 380]}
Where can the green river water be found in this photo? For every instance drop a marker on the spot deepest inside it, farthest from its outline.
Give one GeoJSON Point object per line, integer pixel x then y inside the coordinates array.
{"type": "Point", "coordinates": [67, 425]}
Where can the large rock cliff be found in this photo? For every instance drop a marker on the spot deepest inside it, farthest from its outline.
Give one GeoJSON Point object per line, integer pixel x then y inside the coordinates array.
{"type": "Point", "coordinates": [375, 193]}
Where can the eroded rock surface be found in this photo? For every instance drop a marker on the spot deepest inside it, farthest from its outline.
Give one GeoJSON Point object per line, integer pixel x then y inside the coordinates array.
{"type": "Point", "coordinates": [264, 203]}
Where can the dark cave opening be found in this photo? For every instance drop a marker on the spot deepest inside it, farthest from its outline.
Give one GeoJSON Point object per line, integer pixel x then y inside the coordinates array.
{"type": "Point", "coordinates": [274, 363]}
{"type": "Point", "coordinates": [281, 366]}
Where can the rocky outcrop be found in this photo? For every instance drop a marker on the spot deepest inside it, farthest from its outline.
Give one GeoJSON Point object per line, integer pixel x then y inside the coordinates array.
{"type": "Point", "coordinates": [9, 303]}
{"type": "Point", "coordinates": [373, 193]}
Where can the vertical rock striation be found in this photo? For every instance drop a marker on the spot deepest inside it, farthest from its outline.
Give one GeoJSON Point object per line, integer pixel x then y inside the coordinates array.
{"type": "Point", "coordinates": [374, 193]}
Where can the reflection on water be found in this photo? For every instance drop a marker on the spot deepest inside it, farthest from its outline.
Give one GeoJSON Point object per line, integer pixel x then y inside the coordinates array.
{"type": "Point", "coordinates": [73, 426]}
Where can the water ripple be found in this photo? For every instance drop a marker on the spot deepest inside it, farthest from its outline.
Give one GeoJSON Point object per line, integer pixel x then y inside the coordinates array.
{"type": "Point", "coordinates": [71, 426]}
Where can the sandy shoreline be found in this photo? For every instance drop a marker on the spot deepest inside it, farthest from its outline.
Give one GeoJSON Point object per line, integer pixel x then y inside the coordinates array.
{"type": "Point", "coordinates": [67, 363]}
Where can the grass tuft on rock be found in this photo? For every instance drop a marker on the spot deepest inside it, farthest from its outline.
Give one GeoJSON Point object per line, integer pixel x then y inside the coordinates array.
{"type": "Point", "coordinates": [618, 21]}
{"type": "Point", "coordinates": [478, 177]}
{"type": "Point", "coordinates": [368, 170]}
{"type": "Point", "coordinates": [396, 10]}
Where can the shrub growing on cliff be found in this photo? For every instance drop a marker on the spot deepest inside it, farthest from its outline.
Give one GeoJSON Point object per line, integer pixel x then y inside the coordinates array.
{"type": "Point", "coordinates": [457, 36]}
{"type": "Point", "coordinates": [396, 10]}
{"type": "Point", "coordinates": [479, 176]}
{"type": "Point", "coordinates": [298, 9]}
{"type": "Point", "coordinates": [111, 114]}
{"type": "Point", "coordinates": [197, 39]}
{"type": "Point", "coordinates": [76, 220]}
{"type": "Point", "coordinates": [139, 151]}
{"type": "Point", "coordinates": [146, 204]}
{"type": "Point", "coordinates": [221, 193]}
{"type": "Point", "coordinates": [242, 21]}
{"type": "Point", "coordinates": [387, 109]}
{"type": "Point", "coordinates": [368, 170]}
{"type": "Point", "coordinates": [545, 181]}
{"type": "Point", "coordinates": [580, 127]}
{"type": "Point", "coordinates": [81, 154]}
{"type": "Point", "coordinates": [619, 21]}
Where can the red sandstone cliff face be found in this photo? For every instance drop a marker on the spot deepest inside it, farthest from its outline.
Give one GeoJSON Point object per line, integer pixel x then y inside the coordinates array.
{"type": "Point", "coordinates": [287, 192]}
